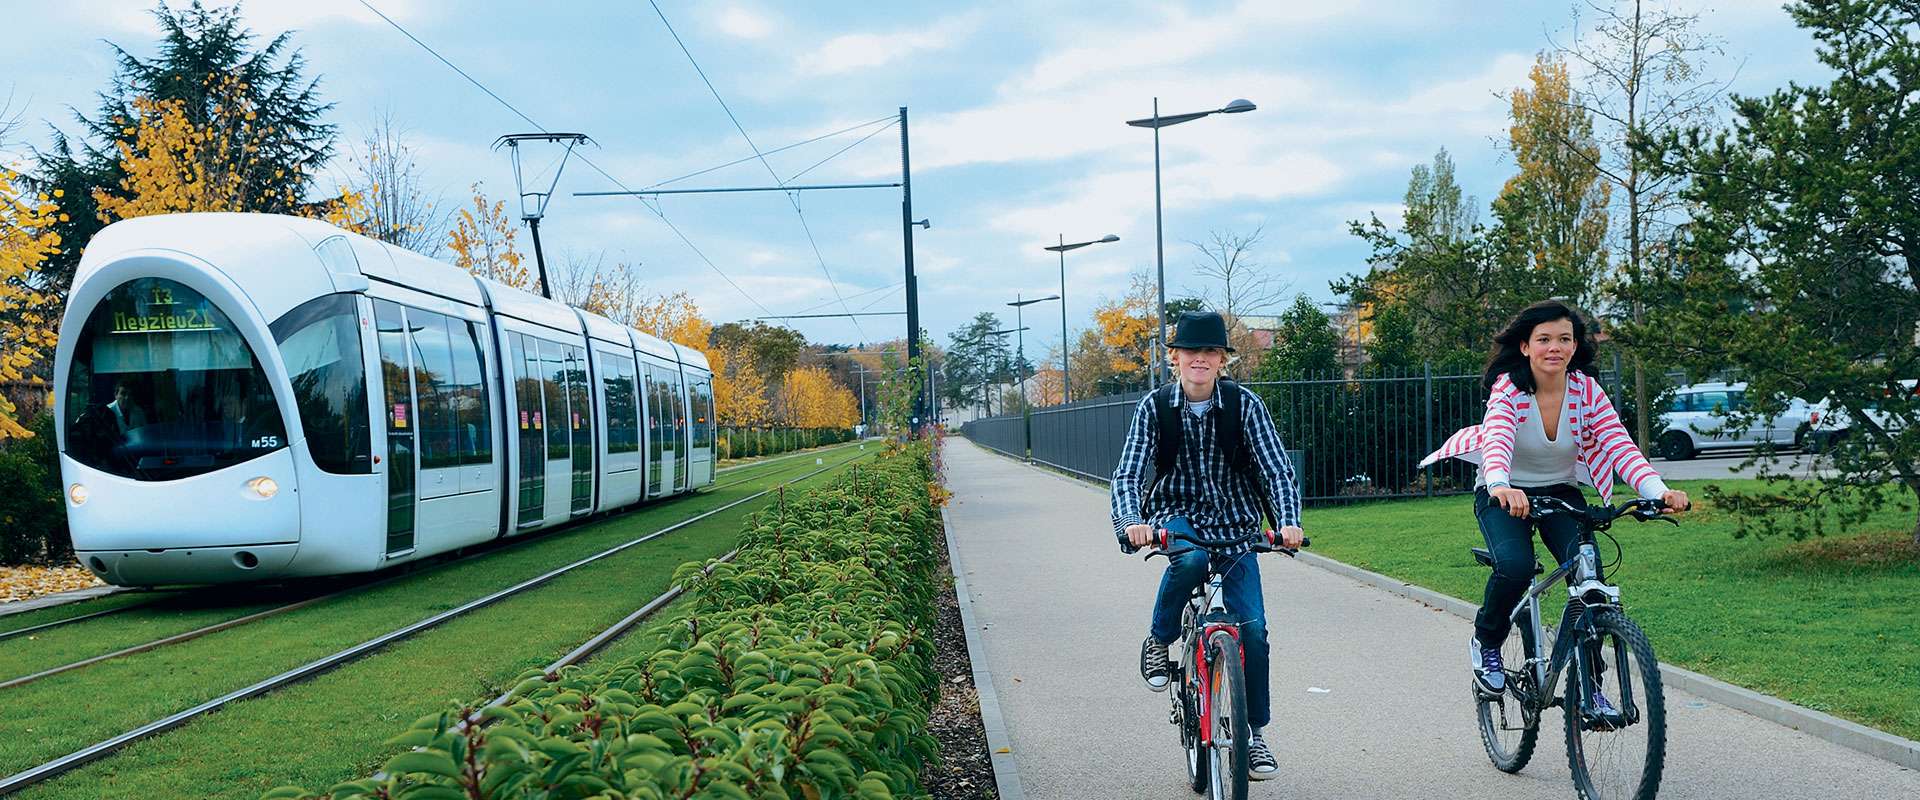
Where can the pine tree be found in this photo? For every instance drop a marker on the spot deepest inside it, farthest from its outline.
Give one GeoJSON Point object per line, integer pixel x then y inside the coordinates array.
{"type": "Point", "coordinates": [209, 65]}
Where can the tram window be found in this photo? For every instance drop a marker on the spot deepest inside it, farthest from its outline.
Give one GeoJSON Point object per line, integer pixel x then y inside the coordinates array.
{"type": "Point", "coordinates": [623, 413]}
{"type": "Point", "coordinates": [580, 418]}
{"type": "Point", "coordinates": [657, 411]}
{"type": "Point", "coordinates": [553, 380]}
{"type": "Point", "coordinates": [163, 386]}
{"type": "Point", "coordinates": [320, 343]}
{"type": "Point", "coordinates": [702, 392]}
{"type": "Point", "coordinates": [432, 377]}
{"type": "Point", "coordinates": [473, 427]}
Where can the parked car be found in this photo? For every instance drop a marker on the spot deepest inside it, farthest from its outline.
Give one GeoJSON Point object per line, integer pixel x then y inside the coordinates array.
{"type": "Point", "coordinates": [1829, 423]}
{"type": "Point", "coordinates": [1698, 419]}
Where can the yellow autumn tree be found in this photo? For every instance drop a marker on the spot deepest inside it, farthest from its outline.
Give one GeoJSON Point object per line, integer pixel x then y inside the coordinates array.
{"type": "Point", "coordinates": [26, 315]}
{"type": "Point", "coordinates": [739, 389]}
{"type": "Point", "coordinates": [1127, 326]}
{"type": "Point", "coordinates": [482, 243]}
{"type": "Point", "coordinates": [173, 165]}
{"type": "Point", "coordinates": [809, 398]}
{"type": "Point", "coordinates": [1045, 387]}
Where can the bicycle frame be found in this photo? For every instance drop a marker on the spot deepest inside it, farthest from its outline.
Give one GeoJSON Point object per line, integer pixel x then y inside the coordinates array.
{"type": "Point", "coordinates": [1586, 588]}
{"type": "Point", "coordinates": [1209, 615]}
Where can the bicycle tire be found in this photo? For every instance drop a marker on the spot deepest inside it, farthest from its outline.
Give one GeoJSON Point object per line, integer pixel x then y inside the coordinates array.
{"type": "Point", "coordinates": [1510, 721]}
{"type": "Point", "coordinates": [1199, 777]}
{"type": "Point", "coordinates": [1617, 756]}
{"type": "Point", "coordinates": [1228, 718]}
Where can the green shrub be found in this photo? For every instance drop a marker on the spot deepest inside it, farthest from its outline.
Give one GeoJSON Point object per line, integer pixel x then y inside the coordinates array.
{"type": "Point", "coordinates": [752, 442]}
{"type": "Point", "coordinates": [33, 518]}
{"type": "Point", "coordinates": [802, 669]}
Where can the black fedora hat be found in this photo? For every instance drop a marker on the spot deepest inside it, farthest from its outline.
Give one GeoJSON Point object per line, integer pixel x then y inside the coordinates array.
{"type": "Point", "coordinates": [1197, 329]}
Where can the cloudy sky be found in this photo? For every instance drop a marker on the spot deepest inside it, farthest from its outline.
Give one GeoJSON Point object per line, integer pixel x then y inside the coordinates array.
{"type": "Point", "coordinates": [1016, 128]}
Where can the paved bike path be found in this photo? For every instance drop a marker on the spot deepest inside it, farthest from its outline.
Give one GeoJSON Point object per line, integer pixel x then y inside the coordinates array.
{"type": "Point", "coordinates": [1060, 613]}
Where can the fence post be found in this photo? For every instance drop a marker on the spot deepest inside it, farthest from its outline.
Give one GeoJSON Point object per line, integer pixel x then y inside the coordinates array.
{"type": "Point", "coordinates": [1427, 367]}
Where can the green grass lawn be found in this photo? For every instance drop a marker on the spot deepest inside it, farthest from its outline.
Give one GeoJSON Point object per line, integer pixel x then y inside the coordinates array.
{"type": "Point", "coordinates": [332, 728]}
{"type": "Point", "coordinates": [1827, 623]}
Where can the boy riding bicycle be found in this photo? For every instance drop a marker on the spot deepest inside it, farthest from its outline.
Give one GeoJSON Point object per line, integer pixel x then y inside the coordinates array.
{"type": "Point", "coordinates": [1219, 469]}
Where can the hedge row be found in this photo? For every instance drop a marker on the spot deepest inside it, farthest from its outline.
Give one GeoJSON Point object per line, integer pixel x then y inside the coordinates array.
{"type": "Point", "coordinates": [33, 514]}
{"type": "Point", "coordinates": [750, 442]}
{"type": "Point", "coordinates": [801, 669]}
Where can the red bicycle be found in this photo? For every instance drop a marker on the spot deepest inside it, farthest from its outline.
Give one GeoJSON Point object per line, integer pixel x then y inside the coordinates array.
{"type": "Point", "coordinates": [1210, 704]}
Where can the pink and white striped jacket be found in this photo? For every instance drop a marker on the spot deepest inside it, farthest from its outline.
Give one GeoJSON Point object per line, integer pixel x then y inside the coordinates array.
{"type": "Point", "coordinates": [1604, 451]}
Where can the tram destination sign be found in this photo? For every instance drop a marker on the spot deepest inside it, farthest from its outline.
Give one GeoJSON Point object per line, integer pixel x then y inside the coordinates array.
{"type": "Point", "coordinates": [190, 319]}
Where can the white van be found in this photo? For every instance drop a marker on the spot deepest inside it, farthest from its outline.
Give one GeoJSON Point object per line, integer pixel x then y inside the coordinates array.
{"type": "Point", "coordinates": [1697, 420]}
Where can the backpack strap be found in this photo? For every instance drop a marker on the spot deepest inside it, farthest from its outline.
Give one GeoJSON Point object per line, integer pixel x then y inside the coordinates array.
{"type": "Point", "coordinates": [1166, 418]}
{"type": "Point", "coordinates": [1233, 434]}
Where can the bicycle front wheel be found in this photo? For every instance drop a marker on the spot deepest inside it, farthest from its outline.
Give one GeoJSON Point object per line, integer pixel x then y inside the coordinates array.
{"type": "Point", "coordinates": [1510, 721]}
{"type": "Point", "coordinates": [1616, 714]}
{"type": "Point", "coordinates": [1227, 716]}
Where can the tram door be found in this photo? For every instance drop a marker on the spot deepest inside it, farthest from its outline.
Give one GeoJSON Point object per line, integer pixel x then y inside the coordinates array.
{"type": "Point", "coordinates": [524, 353]}
{"type": "Point", "coordinates": [396, 371]}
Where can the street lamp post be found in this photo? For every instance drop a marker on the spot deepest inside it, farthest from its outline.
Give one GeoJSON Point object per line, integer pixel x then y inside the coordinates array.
{"type": "Point", "coordinates": [1156, 122]}
{"type": "Point", "coordinates": [1026, 404]}
{"type": "Point", "coordinates": [1003, 404]}
{"type": "Point", "coordinates": [1066, 386]}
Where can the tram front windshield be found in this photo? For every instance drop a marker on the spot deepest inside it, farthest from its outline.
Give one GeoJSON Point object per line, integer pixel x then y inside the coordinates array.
{"type": "Point", "coordinates": [163, 387]}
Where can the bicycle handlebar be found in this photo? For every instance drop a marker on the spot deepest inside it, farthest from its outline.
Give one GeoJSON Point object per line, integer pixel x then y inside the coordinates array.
{"type": "Point", "coordinates": [1261, 541]}
{"type": "Point", "coordinates": [1597, 517]}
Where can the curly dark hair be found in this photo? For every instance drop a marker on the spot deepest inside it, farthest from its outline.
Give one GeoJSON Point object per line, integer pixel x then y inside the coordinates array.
{"type": "Point", "coordinates": [1507, 358]}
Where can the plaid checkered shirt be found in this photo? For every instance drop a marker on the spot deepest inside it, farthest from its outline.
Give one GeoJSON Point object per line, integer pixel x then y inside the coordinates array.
{"type": "Point", "coordinates": [1217, 499]}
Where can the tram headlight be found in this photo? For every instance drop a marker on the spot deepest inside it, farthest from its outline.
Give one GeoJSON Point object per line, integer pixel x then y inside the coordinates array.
{"type": "Point", "coordinates": [78, 494]}
{"type": "Point", "coordinates": [265, 487]}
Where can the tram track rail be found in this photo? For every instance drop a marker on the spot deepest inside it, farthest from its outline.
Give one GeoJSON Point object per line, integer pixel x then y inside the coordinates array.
{"type": "Point", "coordinates": [76, 759]}
{"type": "Point", "coordinates": [351, 590]}
{"type": "Point", "coordinates": [406, 571]}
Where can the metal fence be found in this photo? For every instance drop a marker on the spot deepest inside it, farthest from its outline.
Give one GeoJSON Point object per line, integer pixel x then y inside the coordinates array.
{"type": "Point", "coordinates": [1352, 439]}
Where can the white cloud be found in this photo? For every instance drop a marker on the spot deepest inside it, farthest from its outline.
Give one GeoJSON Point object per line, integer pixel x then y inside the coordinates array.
{"type": "Point", "coordinates": [856, 52]}
{"type": "Point", "coordinates": [746, 24]}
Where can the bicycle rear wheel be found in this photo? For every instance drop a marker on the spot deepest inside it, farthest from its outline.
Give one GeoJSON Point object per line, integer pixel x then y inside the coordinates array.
{"type": "Point", "coordinates": [1510, 721]}
{"type": "Point", "coordinates": [1227, 717]}
{"type": "Point", "coordinates": [1616, 755]}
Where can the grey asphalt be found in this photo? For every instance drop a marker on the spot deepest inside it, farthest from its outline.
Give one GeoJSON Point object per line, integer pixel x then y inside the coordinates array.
{"type": "Point", "coordinates": [1059, 613]}
{"type": "Point", "coordinates": [1727, 464]}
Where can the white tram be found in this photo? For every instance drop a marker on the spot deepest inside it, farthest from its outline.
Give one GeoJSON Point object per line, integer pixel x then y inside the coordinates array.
{"type": "Point", "coordinates": [247, 397]}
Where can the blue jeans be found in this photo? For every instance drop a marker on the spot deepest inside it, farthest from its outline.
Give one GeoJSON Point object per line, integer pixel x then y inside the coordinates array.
{"type": "Point", "coordinates": [1510, 539]}
{"type": "Point", "coordinates": [1240, 588]}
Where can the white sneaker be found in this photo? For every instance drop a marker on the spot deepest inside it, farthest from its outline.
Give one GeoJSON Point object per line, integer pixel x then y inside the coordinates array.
{"type": "Point", "coordinates": [1489, 673]}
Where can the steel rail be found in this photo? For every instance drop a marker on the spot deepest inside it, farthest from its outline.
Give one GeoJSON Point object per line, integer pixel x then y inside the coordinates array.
{"type": "Point", "coordinates": [50, 769]}
{"type": "Point", "coordinates": [59, 622]}
{"type": "Point", "coordinates": [220, 626]}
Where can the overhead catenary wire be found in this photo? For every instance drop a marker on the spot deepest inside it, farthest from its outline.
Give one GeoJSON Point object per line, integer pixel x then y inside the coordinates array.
{"type": "Point", "coordinates": [658, 211]}
{"type": "Point", "coordinates": [792, 197]}
{"type": "Point", "coordinates": [589, 162]}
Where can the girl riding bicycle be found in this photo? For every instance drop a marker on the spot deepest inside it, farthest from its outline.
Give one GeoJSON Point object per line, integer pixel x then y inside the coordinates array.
{"type": "Point", "coordinates": [1219, 467]}
{"type": "Point", "coordinates": [1548, 426]}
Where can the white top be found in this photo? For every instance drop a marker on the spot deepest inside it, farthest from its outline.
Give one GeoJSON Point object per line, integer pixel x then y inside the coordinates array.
{"type": "Point", "coordinates": [1538, 461]}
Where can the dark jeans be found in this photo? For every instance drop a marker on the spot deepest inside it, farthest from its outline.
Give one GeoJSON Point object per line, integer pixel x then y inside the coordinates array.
{"type": "Point", "coordinates": [1240, 590]}
{"type": "Point", "coordinates": [1510, 538]}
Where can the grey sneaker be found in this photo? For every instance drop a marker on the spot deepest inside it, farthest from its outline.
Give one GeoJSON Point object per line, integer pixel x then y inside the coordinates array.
{"type": "Point", "coordinates": [1153, 665]}
{"type": "Point", "coordinates": [1489, 673]}
{"type": "Point", "coordinates": [1261, 765]}
{"type": "Point", "coordinates": [1604, 716]}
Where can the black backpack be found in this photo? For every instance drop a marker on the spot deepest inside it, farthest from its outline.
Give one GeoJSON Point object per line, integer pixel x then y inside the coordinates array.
{"type": "Point", "coordinates": [1233, 437]}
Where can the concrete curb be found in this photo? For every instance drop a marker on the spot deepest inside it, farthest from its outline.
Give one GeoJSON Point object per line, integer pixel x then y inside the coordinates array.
{"type": "Point", "coordinates": [60, 598]}
{"type": "Point", "coordinates": [1006, 775]}
{"type": "Point", "coordinates": [1880, 744]}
